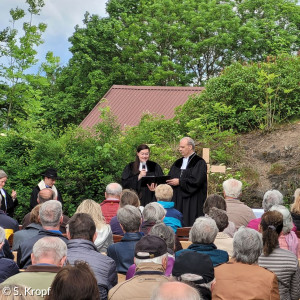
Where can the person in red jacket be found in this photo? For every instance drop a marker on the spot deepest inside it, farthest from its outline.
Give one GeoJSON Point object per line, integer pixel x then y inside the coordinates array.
{"type": "Point", "coordinates": [111, 203]}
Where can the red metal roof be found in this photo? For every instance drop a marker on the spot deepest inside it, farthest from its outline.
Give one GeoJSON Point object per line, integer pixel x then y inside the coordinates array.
{"type": "Point", "coordinates": [129, 103]}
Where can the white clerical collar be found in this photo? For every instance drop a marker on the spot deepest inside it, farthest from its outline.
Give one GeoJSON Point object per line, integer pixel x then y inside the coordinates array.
{"type": "Point", "coordinates": [185, 162]}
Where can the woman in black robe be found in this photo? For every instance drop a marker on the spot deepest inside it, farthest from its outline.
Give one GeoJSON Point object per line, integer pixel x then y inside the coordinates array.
{"type": "Point", "coordinates": [134, 171]}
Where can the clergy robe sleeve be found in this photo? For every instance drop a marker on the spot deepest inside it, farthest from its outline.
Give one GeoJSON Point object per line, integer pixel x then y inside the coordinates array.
{"type": "Point", "coordinates": [194, 179]}
{"type": "Point", "coordinates": [129, 180]}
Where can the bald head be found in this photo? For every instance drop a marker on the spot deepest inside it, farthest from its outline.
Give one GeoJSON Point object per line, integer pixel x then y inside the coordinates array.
{"type": "Point", "coordinates": [113, 190]}
{"type": "Point", "coordinates": [175, 291]}
{"type": "Point", "coordinates": [45, 195]}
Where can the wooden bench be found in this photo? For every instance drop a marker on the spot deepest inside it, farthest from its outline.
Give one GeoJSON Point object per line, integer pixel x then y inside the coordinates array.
{"type": "Point", "coordinates": [183, 233]}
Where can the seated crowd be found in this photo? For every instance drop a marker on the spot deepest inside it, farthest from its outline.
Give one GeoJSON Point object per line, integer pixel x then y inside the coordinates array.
{"type": "Point", "coordinates": [230, 254]}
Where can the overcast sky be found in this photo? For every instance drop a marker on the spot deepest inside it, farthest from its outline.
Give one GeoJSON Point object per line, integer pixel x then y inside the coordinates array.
{"type": "Point", "coordinates": [61, 16]}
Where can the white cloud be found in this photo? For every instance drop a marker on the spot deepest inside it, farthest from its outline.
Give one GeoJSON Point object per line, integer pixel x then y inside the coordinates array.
{"type": "Point", "coordinates": [61, 16]}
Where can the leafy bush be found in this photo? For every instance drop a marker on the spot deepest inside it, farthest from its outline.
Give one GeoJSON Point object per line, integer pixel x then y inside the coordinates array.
{"type": "Point", "coordinates": [249, 96]}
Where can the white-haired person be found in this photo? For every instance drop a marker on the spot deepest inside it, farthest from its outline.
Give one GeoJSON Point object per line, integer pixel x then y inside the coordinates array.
{"type": "Point", "coordinates": [48, 256]}
{"type": "Point", "coordinates": [163, 195]}
{"type": "Point", "coordinates": [271, 197]}
{"type": "Point", "coordinates": [282, 262]}
{"type": "Point", "coordinates": [242, 278]}
{"type": "Point", "coordinates": [238, 212]}
{"type": "Point", "coordinates": [104, 234]}
{"type": "Point", "coordinates": [202, 235]}
{"type": "Point", "coordinates": [288, 238]}
{"type": "Point", "coordinates": [295, 209]}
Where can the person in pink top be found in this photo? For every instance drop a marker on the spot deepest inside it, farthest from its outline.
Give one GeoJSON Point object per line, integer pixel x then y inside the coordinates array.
{"type": "Point", "coordinates": [271, 197]}
{"type": "Point", "coordinates": [287, 239]}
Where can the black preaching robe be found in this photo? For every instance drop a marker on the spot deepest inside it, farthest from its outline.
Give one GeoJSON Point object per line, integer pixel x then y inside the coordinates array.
{"type": "Point", "coordinates": [190, 194]}
{"type": "Point", "coordinates": [130, 181]}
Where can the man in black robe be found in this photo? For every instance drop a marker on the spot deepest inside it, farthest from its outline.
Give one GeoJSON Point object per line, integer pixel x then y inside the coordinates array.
{"type": "Point", "coordinates": [189, 182]}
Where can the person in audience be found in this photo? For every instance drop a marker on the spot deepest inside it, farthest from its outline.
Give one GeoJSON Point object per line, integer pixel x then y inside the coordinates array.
{"type": "Point", "coordinates": [151, 261]}
{"type": "Point", "coordinates": [167, 234]}
{"type": "Point", "coordinates": [8, 202]}
{"type": "Point", "coordinates": [123, 252]}
{"type": "Point", "coordinates": [74, 282]}
{"type": "Point", "coordinates": [238, 213]}
{"type": "Point", "coordinates": [280, 261]}
{"type": "Point", "coordinates": [128, 197]}
{"type": "Point", "coordinates": [111, 204]}
{"type": "Point", "coordinates": [8, 222]}
{"type": "Point", "coordinates": [288, 238]}
{"type": "Point", "coordinates": [104, 234]}
{"type": "Point", "coordinates": [164, 194]}
{"type": "Point", "coordinates": [218, 201]}
{"type": "Point", "coordinates": [223, 241]}
{"type": "Point", "coordinates": [196, 269]}
{"type": "Point", "coordinates": [241, 278]}
{"type": "Point", "coordinates": [48, 256]}
{"type": "Point", "coordinates": [152, 213]}
{"type": "Point", "coordinates": [81, 232]}
{"type": "Point", "coordinates": [202, 235]}
{"type": "Point", "coordinates": [50, 177]}
{"type": "Point", "coordinates": [175, 291]}
{"type": "Point", "coordinates": [295, 209]}
{"type": "Point", "coordinates": [8, 267]}
{"type": "Point", "coordinates": [30, 231]}
{"type": "Point", "coordinates": [271, 197]}
{"type": "Point", "coordinates": [43, 196]}
{"type": "Point", "coordinates": [51, 217]}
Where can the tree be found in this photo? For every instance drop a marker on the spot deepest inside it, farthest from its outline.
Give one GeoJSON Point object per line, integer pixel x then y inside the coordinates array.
{"type": "Point", "coordinates": [18, 99]}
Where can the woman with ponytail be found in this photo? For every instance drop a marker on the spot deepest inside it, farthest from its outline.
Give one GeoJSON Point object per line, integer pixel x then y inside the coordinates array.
{"type": "Point", "coordinates": [280, 261]}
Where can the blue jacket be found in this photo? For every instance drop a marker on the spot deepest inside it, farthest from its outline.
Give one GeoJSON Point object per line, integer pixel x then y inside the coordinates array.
{"type": "Point", "coordinates": [123, 252]}
{"type": "Point", "coordinates": [7, 222]}
{"type": "Point", "coordinates": [8, 267]}
{"type": "Point", "coordinates": [173, 217]}
{"type": "Point", "coordinates": [103, 267]}
{"type": "Point", "coordinates": [217, 256]}
{"type": "Point", "coordinates": [25, 248]}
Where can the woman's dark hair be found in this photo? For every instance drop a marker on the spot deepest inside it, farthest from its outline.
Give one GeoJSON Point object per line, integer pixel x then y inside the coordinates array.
{"type": "Point", "coordinates": [136, 163]}
{"type": "Point", "coordinates": [271, 225]}
{"type": "Point", "coordinates": [74, 282]}
{"type": "Point", "coordinates": [214, 200]}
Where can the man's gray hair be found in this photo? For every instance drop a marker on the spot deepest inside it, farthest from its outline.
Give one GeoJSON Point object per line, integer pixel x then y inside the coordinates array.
{"type": "Point", "coordinates": [204, 231]}
{"type": "Point", "coordinates": [156, 260]}
{"type": "Point", "coordinates": [162, 292]}
{"type": "Point", "coordinates": [113, 189]}
{"type": "Point", "coordinates": [2, 174]}
{"type": "Point", "coordinates": [287, 218]}
{"type": "Point", "coordinates": [49, 247]}
{"type": "Point", "coordinates": [130, 218]}
{"type": "Point", "coordinates": [2, 235]}
{"type": "Point", "coordinates": [190, 141]}
{"type": "Point", "coordinates": [247, 245]}
{"type": "Point", "coordinates": [272, 197]}
{"type": "Point", "coordinates": [50, 213]}
{"type": "Point", "coordinates": [153, 212]}
{"type": "Point", "coordinates": [232, 188]}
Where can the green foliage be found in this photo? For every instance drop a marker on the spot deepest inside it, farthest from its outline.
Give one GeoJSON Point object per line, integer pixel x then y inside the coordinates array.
{"type": "Point", "coordinates": [18, 99]}
{"type": "Point", "coordinates": [245, 97]}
